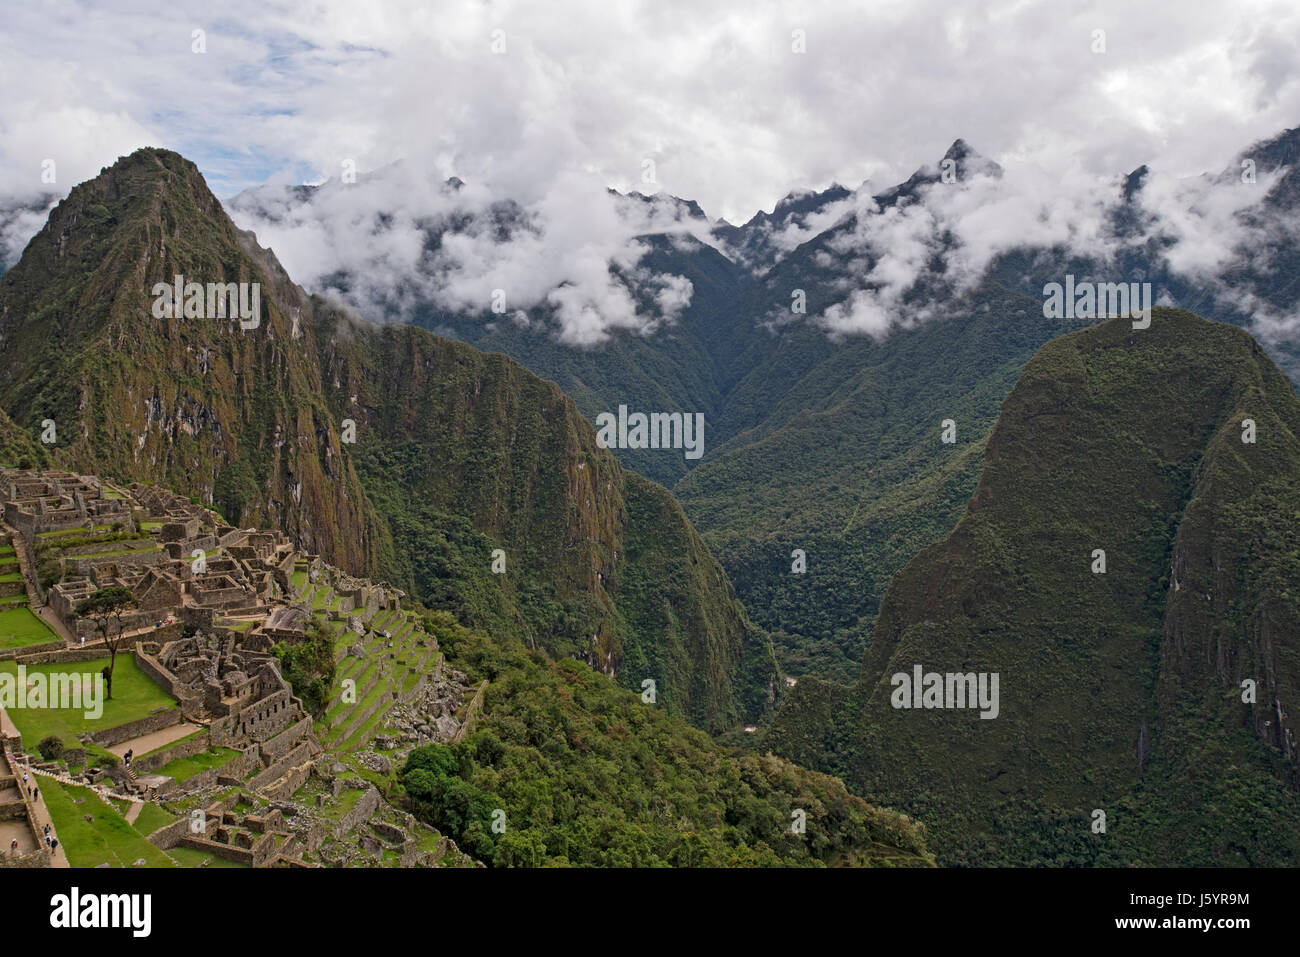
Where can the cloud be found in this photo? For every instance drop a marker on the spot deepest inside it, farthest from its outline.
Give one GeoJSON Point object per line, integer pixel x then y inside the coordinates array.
{"type": "Point", "coordinates": [898, 265]}
{"type": "Point", "coordinates": [397, 241]}
{"type": "Point", "coordinates": [545, 105]}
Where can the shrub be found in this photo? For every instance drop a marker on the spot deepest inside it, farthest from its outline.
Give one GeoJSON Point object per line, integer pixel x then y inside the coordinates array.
{"type": "Point", "coordinates": [51, 748]}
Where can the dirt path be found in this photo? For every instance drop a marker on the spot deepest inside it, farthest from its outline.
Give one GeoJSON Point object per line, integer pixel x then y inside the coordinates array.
{"type": "Point", "coordinates": [133, 811]}
{"type": "Point", "coordinates": [157, 739]}
{"type": "Point", "coordinates": [40, 816]}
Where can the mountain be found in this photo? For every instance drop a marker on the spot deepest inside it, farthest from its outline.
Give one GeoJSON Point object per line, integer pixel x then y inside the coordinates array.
{"type": "Point", "coordinates": [1154, 690]}
{"type": "Point", "coordinates": [826, 440]}
{"type": "Point", "coordinates": [766, 237]}
{"type": "Point", "coordinates": [20, 219]}
{"type": "Point", "coordinates": [17, 446]}
{"type": "Point", "coordinates": [456, 453]}
{"type": "Point", "coordinates": [589, 775]}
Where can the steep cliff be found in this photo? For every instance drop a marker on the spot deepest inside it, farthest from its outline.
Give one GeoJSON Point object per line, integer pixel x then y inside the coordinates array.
{"type": "Point", "coordinates": [391, 452]}
{"type": "Point", "coordinates": [1121, 690]}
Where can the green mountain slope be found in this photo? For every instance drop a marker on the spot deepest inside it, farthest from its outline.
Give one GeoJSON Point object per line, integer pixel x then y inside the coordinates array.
{"type": "Point", "coordinates": [456, 453]}
{"type": "Point", "coordinates": [464, 453]}
{"type": "Point", "coordinates": [231, 415]}
{"type": "Point", "coordinates": [590, 775]}
{"type": "Point", "coordinates": [1121, 691]}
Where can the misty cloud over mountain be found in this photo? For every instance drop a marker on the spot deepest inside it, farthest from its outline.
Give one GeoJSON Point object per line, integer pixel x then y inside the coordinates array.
{"type": "Point", "coordinates": [574, 261]}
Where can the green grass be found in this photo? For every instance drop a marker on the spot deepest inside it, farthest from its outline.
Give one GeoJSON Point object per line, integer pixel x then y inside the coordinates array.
{"type": "Point", "coordinates": [20, 628]}
{"type": "Point", "coordinates": [182, 769]}
{"type": "Point", "coordinates": [151, 818]}
{"type": "Point", "coordinates": [115, 554]}
{"type": "Point", "coordinates": [105, 839]}
{"type": "Point", "coordinates": [189, 857]}
{"type": "Point", "coordinates": [135, 695]}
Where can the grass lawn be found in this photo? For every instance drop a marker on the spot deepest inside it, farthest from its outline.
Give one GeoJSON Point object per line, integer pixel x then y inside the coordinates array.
{"type": "Point", "coordinates": [182, 769]}
{"type": "Point", "coordinates": [19, 627]}
{"type": "Point", "coordinates": [106, 839]}
{"type": "Point", "coordinates": [134, 696]}
{"type": "Point", "coordinates": [151, 818]}
{"type": "Point", "coordinates": [115, 553]}
{"type": "Point", "coordinates": [189, 857]}
{"type": "Point", "coordinates": [11, 577]}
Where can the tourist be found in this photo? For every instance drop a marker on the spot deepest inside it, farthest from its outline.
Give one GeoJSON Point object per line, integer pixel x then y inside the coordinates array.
{"type": "Point", "coordinates": [36, 793]}
{"type": "Point", "coordinates": [13, 846]}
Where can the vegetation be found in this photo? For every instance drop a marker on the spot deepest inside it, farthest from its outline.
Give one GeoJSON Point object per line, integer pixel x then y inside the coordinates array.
{"type": "Point", "coordinates": [19, 628]}
{"type": "Point", "coordinates": [458, 453]}
{"type": "Point", "coordinates": [104, 605]}
{"type": "Point", "coordinates": [1121, 691]}
{"type": "Point", "coordinates": [308, 665]}
{"type": "Point", "coordinates": [137, 696]}
{"type": "Point", "coordinates": [105, 839]}
{"type": "Point", "coordinates": [182, 769]}
{"type": "Point", "coordinates": [576, 771]}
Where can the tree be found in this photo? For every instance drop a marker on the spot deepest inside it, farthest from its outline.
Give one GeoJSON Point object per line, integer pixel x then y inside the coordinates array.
{"type": "Point", "coordinates": [105, 605]}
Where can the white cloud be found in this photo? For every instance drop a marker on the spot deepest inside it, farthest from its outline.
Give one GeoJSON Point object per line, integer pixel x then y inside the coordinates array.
{"type": "Point", "coordinates": [584, 92]}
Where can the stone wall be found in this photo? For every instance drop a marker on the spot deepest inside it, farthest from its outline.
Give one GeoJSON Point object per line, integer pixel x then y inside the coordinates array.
{"type": "Point", "coordinates": [133, 729]}
{"type": "Point", "coordinates": [265, 718]}
{"type": "Point", "coordinates": [364, 808]}
{"type": "Point", "coordinates": [291, 783]}
{"type": "Point", "coordinates": [185, 748]}
{"type": "Point", "coordinates": [235, 770]}
{"type": "Point", "coordinates": [10, 653]}
{"type": "Point", "coordinates": [67, 656]}
{"type": "Point", "coordinates": [217, 849]}
{"type": "Point", "coordinates": [301, 754]}
{"type": "Point", "coordinates": [282, 743]}
{"type": "Point", "coordinates": [149, 665]}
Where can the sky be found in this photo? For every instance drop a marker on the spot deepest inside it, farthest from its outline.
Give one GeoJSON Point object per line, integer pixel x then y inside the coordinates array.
{"type": "Point", "coordinates": [730, 104]}
{"type": "Point", "coordinates": [714, 94]}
